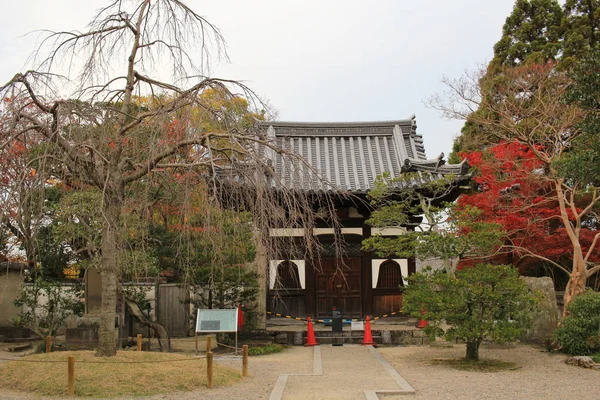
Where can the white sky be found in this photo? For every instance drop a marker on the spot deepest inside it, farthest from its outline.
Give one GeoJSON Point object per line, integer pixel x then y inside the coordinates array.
{"type": "Point", "coordinates": [325, 60]}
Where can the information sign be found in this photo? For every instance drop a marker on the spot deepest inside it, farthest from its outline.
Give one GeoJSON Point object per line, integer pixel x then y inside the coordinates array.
{"type": "Point", "coordinates": [211, 321]}
{"type": "Point", "coordinates": [357, 325]}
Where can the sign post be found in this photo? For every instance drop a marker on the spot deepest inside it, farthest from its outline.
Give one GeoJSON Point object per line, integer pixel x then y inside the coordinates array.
{"type": "Point", "coordinates": [336, 326]}
{"type": "Point", "coordinates": [216, 321]}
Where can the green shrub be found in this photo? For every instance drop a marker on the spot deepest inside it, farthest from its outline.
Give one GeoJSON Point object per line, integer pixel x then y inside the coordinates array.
{"type": "Point", "coordinates": [579, 333]}
{"type": "Point", "coordinates": [486, 302]}
{"type": "Point", "coordinates": [266, 349]}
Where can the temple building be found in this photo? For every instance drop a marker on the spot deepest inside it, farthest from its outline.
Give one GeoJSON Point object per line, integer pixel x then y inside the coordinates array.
{"type": "Point", "coordinates": [343, 160]}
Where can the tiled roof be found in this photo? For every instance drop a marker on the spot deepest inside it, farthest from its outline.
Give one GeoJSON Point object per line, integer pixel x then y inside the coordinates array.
{"type": "Point", "coordinates": [348, 156]}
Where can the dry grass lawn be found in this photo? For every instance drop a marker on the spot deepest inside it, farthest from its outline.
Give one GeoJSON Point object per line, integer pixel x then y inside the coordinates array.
{"type": "Point", "coordinates": [126, 374]}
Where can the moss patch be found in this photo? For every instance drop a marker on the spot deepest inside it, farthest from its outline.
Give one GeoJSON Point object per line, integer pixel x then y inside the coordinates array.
{"type": "Point", "coordinates": [126, 374]}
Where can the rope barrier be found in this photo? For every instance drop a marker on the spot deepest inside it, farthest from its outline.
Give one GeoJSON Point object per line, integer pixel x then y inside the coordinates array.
{"type": "Point", "coordinates": [321, 321]}
{"type": "Point", "coordinates": [107, 362]}
{"type": "Point", "coordinates": [230, 347]}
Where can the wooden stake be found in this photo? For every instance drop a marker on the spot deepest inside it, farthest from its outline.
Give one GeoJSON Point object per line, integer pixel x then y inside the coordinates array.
{"type": "Point", "coordinates": [139, 342]}
{"type": "Point", "coordinates": [71, 371]}
{"type": "Point", "coordinates": [209, 369]}
{"type": "Point", "coordinates": [245, 361]}
{"type": "Point", "coordinates": [208, 344]}
{"type": "Point", "coordinates": [48, 344]}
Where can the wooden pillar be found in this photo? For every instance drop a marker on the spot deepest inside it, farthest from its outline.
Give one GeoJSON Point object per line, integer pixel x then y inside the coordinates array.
{"type": "Point", "coordinates": [245, 361]}
{"type": "Point", "coordinates": [209, 369]}
{"type": "Point", "coordinates": [139, 342]}
{"type": "Point", "coordinates": [310, 294]}
{"type": "Point", "coordinates": [71, 376]}
{"type": "Point", "coordinates": [367, 273]}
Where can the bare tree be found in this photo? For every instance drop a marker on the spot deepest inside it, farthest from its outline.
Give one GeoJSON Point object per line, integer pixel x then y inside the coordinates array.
{"type": "Point", "coordinates": [526, 105]}
{"type": "Point", "coordinates": [112, 120]}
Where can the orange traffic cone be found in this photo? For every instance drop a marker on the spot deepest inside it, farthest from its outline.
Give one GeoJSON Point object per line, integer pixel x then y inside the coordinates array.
{"type": "Point", "coordinates": [422, 323]}
{"type": "Point", "coordinates": [310, 335]}
{"type": "Point", "coordinates": [368, 338]}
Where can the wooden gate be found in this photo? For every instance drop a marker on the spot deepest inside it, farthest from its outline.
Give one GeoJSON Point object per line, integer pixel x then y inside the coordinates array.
{"type": "Point", "coordinates": [338, 284]}
{"type": "Point", "coordinates": [172, 312]}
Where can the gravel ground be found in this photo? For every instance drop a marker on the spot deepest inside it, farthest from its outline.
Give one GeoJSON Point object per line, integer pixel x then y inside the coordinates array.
{"type": "Point", "coordinates": [539, 376]}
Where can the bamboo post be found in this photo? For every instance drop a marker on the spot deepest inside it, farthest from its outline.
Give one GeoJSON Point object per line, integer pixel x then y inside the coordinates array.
{"type": "Point", "coordinates": [71, 372]}
{"type": "Point", "coordinates": [208, 344]}
{"type": "Point", "coordinates": [48, 344]}
{"type": "Point", "coordinates": [209, 369]}
{"type": "Point", "coordinates": [245, 361]}
{"type": "Point", "coordinates": [139, 342]}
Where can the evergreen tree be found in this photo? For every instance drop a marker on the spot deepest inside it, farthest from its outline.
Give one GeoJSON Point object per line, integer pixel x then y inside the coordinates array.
{"type": "Point", "coordinates": [531, 32]}
{"type": "Point", "coordinates": [581, 26]}
{"type": "Point", "coordinates": [581, 161]}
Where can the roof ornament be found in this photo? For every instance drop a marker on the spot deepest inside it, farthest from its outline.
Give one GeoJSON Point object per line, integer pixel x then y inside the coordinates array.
{"type": "Point", "coordinates": [440, 161]}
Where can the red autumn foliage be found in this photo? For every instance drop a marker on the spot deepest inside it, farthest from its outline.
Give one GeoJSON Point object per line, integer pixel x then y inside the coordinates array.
{"type": "Point", "coordinates": [513, 192]}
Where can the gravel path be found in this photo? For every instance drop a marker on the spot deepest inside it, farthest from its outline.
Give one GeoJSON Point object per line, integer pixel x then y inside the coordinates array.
{"type": "Point", "coordinates": [347, 372]}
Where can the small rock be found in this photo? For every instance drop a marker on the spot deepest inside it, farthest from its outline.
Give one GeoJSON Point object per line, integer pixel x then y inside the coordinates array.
{"type": "Point", "coordinates": [581, 361]}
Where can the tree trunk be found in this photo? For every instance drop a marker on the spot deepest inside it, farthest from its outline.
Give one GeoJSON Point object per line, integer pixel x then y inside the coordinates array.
{"type": "Point", "coordinates": [164, 341]}
{"type": "Point", "coordinates": [108, 272]}
{"type": "Point", "coordinates": [260, 267]}
{"type": "Point", "coordinates": [473, 349]}
{"type": "Point", "coordinates": [577, 281]}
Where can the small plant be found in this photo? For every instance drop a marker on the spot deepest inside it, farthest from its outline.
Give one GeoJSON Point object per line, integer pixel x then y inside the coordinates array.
{"type": "Point", "coordinates": [579, 332]}
{"type": "Point", "coordinates": [46, 306]}
{"type": "Point", "coordinates": [266, 349]}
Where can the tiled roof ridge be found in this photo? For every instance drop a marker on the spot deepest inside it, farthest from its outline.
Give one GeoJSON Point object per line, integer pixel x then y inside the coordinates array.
{"type": "Point", "coordinates": [342, 124]}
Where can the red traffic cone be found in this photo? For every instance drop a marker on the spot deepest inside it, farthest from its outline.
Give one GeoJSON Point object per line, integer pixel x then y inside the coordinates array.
{"type": "Point", "coordinates": [310, 335]}
{"type": "Point", "coordinates": [368, 337]}
{"type": "Point", "coordinates": [422, 323]}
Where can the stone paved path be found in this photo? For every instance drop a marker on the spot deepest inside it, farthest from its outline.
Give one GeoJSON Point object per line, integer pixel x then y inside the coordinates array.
{"type": "Point", "coordinates": [347, 372]}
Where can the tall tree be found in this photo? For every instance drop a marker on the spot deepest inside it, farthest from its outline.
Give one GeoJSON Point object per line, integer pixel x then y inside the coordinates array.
{"type": "Point", "coordinates": [96, 134]}
{"type": "Point", "coordinates": [528, 108]}
{"type": "Point", "coordinates": [581, 27]}
{"type": "Point", "coordinates": [532, 32]}
{"type": "Point", "coordinates": [581, 161]}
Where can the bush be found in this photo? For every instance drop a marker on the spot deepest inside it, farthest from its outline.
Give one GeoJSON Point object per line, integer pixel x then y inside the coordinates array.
{"type": "Point", "coordinates": [486, 302]}
{"type": "Point", "coordinates": [579, 333]}
{"type": "Point", "coordinates": [266, 349]}
{"type": "Point", "coordinates": [45, 306]}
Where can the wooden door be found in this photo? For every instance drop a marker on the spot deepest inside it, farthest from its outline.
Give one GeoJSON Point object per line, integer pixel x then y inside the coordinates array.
{"type": "Point", "coordinates": [338, 284]}
{"type": "Point", "coordinates": [171, 309]}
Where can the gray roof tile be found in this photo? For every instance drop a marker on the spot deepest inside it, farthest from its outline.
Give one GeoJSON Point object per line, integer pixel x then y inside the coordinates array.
{"type": "Point", "coordinates": [347, 156]}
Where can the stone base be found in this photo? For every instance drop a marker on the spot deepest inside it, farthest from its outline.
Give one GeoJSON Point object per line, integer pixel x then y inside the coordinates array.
{"type": "Point", "coordinates": [82, 338]}
{"type": "Point", "coordinates": [12, 334]}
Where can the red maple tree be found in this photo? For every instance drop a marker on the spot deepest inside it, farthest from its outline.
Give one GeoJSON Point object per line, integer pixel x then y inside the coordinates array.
{"type": "Point", "coordinates": [512, 191]}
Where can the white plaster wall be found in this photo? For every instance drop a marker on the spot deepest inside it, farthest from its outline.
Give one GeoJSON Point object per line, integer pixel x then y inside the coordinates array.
{"type": "Point", "coordinates": [273, 264]}
{"type": "Point", "coordinates": [376, 264]}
